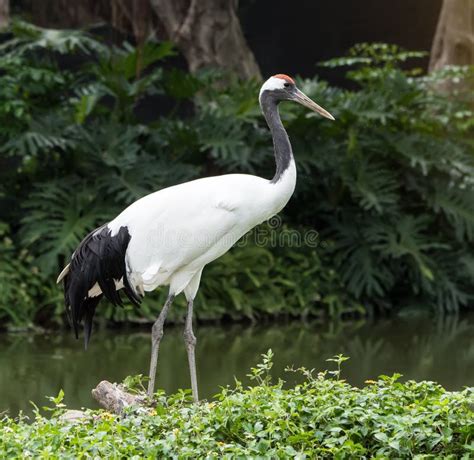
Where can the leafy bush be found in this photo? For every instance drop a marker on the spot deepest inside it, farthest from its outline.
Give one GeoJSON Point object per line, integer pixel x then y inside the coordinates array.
{"type": "Point", "coordinates": [254, 281]}
{"type": "Point", "coordinates": [388, 186]}
{"type": "Point", "coordinates": [401, 165]}
{"type": "Point", "coordinates": [323, 417]}
{"type": "Point", "coordinates": [20, 286]}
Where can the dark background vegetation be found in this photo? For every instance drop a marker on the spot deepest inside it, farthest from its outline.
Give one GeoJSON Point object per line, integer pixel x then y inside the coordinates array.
{"type": "Point", "coordinates": [294, 36]}
{"type": "Point", "coordinates": [89, 122]}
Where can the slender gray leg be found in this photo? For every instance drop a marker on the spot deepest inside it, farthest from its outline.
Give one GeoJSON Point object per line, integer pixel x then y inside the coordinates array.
{"type": "Point", "coordinates": [156, 335]}
{"type": "Point", "coordinates": [190, 343]}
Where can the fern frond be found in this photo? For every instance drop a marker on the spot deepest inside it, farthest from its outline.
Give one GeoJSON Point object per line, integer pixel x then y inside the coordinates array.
{"type": "Point", "coordinates": [58, 215]}
{"type": "Point", "coordinates": [30, 38]}
{"type": "Point", "coordinates": [453, 280]}
{"type": "Point", "coordinates": [408, 238]}
{"type": "Point", "coordinates": [457, 205]}
{"type": "Point", "coordinates": [373, 185]}
{"type": "Point", "coordinates": [360, 267]}
{"type": "Point", "coordinates": [31, 143]}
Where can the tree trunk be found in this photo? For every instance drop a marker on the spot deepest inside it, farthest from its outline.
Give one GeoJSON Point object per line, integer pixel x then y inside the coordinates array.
{"type": "Point", "coordinates": [4, 13]}
{"type": "Point", "coordinates": [453, 43]}
{"type": "Point", "coordinates": [65, 14]}
{"type": "Point", "coordinates": [208, 33]}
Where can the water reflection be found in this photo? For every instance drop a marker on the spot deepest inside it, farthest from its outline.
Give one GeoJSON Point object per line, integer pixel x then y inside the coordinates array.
{"type": "Point", "coordinates": [33, 366]}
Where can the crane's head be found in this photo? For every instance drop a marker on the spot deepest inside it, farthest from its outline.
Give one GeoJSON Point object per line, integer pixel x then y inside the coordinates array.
{"type": "Point", "coordinates": [281, 87]}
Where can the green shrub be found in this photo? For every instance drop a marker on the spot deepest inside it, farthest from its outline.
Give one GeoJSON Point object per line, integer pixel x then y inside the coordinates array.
{"type": "Point", "coordinates": [20, 283]}
{"type": "Point", "coordinates": [388, 186]}
{"type": "Point", "coordinates": [255, 281]}
{"type": "Point", "coordinates": [323, 417]}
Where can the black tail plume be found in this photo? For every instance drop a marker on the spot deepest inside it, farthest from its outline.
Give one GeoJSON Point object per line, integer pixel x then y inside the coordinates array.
{"type": "Point", "coordinates": [99, 259]}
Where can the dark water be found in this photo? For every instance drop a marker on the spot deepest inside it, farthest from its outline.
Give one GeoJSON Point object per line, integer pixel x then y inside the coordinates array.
{"type": "Point", "coordinates": [32, 366]}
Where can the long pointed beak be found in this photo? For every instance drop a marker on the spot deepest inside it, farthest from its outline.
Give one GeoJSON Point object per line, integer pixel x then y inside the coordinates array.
{"type": "Point", "coordinates": [302, 99]}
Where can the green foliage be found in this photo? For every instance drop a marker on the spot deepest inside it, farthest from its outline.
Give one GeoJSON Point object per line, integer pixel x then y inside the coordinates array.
{"type": "Point", "coordinates": [403, 176]}
{"type": "Point", "coordinates": [255, 281]}
{"type": "Point", "coordinates": [20, 286]}
{"type": "Point", "coordinates": [322, 417]}
{"type": "Point", "coordinates": [388, 187]}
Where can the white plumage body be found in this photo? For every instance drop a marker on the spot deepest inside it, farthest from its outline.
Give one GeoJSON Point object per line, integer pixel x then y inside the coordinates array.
{"type": "Point", "coordinates": [168, 237]}
{"type": "Point", "coordinates": [176, 231]}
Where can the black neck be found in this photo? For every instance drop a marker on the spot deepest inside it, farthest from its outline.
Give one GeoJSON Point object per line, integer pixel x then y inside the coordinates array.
{"type": "Point", "coordinates": [281, 143]}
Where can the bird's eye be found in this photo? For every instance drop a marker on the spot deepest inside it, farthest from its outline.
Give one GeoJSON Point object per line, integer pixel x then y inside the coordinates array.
{"type": "Point", "coordinates": [286, 85]}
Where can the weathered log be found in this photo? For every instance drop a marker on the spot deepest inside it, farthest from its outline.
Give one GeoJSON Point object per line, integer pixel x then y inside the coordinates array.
{"type": "Point", "coordinates": [114, 398]}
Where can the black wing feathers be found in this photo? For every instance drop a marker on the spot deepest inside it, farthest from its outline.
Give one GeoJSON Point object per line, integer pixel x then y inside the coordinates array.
{"type": "Point", "coordinates": [99, 258]}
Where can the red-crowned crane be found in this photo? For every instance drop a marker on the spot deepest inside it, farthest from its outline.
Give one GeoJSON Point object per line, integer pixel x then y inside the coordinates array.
{"type": "Point", "coordinates": [168, 237]}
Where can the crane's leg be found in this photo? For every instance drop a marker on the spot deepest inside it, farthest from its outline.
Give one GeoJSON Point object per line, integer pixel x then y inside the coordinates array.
{"type": "Point", "coordinates": [156, 336]}
{"type": "Point", "coordinates": [190, 343]}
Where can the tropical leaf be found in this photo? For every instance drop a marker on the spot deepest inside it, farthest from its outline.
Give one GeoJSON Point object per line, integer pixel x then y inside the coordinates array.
{"type": "Point", "coordinates": [58, 214]}
{"type": "Point", "coordinates": [451, 289]}
{"type": "Point", "coordinates": [387, 188]}
{"type": "Point", "coordinates": [360, 266]}
{"type": "Point", "coordinates": [29, 38]}
{"type": "Point", "coordinates": [373, 185]}
{"type": "Point", "coordinates": [407, 238]}
{"type": "Point", "coordinates": [457, 205]}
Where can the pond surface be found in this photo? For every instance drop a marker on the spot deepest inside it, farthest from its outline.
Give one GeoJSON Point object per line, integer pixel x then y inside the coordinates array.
{"type": "Point", "coordinates": [33, 366]}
